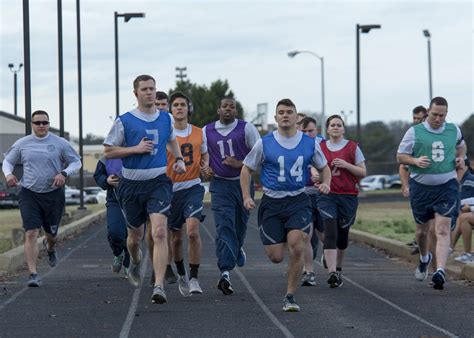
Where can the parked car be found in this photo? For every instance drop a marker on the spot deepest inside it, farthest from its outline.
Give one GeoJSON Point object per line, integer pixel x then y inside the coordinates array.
{"type": "Point", "coordinates": [9, 197]}
{"type": "Point", "coordinates": [374, 182]}
{"type": "Point", "coordinates": [73, 196]}
{"type": "Point", "coordinates": [102, 197]}
{"type": "Point", "coordinates": [394, 182]}
{"type": "Point", "coordinates": [91, 195]}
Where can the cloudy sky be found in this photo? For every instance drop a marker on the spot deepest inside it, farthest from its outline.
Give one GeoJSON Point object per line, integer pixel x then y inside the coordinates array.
{"type": "Point", "coordinates": [246, 42]}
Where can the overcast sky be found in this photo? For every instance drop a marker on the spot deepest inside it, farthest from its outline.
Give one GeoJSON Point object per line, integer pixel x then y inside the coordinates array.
{"type": "Point", "coordinates": [246, 42]}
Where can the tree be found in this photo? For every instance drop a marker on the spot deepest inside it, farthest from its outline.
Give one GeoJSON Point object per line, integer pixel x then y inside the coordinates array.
{"type": "Point", "coordinates": [206, 100]}
{"type": "Point", "coordinates": [90, 139]}
{"type": "Point", "coordinates": [467, 129]}
{"type": "Point", "coordinates": [379, 147]}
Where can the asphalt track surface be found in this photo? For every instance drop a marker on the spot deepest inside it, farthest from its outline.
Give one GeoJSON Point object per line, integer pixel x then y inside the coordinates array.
{"type": "Point", "coordinates": [82, 297]}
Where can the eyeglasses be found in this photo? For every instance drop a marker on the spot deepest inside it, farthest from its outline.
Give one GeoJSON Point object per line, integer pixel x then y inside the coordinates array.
{"type": "Point", "coordinates": [37, 123]}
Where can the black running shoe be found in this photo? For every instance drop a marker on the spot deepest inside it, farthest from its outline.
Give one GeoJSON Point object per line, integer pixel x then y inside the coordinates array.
{"type": "Point", "coordinates": [52, 258]}
{"type": "Point", "coordinates": [438, 280]}
{"type": "Point", "coordinates": [289, 304]}
{"type": "Point", "coordinates": [421, 272]}
{"type": "Point", "coordinates": [335, 279]}
{"type": "Point", "coordinates": [224, 285]}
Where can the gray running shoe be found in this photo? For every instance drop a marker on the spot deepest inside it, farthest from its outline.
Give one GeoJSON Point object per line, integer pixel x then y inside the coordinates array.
{"type": "Point", "coordinates": [194, 287]}
{"type": "Point", "coordinates": [170, 276]}
{"type": "Point", "coordinates": [224, 285]}
{"type": "Point", "coordinates": [117, 263]}
{"type": "Point", "coordinates": [134, 271]}
{"type": "Point", "coordinates": [52, 258]}
{"type": "Point", "coordinates": [34, 280]}
{"type": "Point", "coordinates": [159, 295]}
{"type": "Point", "coordinates": [289, 304]}
{"type": "Point", "coordinates": [183, 285]}
{"type": "Point", "coordinates": [309, 279]}
{"type": "Point", "coordinates": [421, 272]}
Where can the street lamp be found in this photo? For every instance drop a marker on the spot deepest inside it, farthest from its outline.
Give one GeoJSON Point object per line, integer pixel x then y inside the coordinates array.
{"type": "Point", "coordinates": [292, 54]}
{"type": "Point", "coordinates": [363, 29]}
{"type": "Point", "coordinates": [427, 34]}
{"type": "Point", "coordinates": [126, 17]}
{"type": "Point", "coordinates": [15, 71]}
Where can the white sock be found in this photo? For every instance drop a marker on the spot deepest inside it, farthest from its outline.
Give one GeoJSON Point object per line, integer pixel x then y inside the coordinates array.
{"type": "Point", "coordinates": [424, 259]}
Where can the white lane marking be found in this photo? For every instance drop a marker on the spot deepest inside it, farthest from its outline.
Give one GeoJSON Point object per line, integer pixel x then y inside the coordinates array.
{"type": "Point", "coordinates": [19, 293]}
{"type": "Point", "coordinates": [395, 306]}
{"type": "Point", "coordinates": [127, 325]}
{"type": "Point", "coordinates": [259, 301]}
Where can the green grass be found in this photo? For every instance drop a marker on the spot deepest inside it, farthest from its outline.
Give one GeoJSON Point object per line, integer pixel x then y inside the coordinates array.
{"type": "Point", "coordinates": [390, 220]}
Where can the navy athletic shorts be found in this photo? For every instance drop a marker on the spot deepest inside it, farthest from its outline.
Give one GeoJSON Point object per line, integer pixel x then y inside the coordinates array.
{"type": "Point", "coordinates": [342, 208]}
{"type": "Point", "coordinates": [426, 200]}
{"type": "Point", "coordinates": [186, 203]}
{"type": "Point", "coordinates": [317, 219]}
{"type": "Point", "coordinates": [277, 216]}
{"type": "Point", "coordinates": [138, 199]}
{"type": "Point", "coordinates": [42, 210]}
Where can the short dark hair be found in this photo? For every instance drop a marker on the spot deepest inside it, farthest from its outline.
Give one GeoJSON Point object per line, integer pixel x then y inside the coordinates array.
{"type": "Point", "coordinates": [419, 109]}
{"type": "Point", "coordinates": [177, 95]}
{"type": "Point", "coordinates": [141, 78]}
{"type": "Point", "coordinates": [332, 117]}
{"type": "Point", "coordinates": [161, 95]}
{"type": "Point", "coordinates": [286, 102]}
{"type": "Point", "coordinates": [39, 112]}
{"type": "Point", "coordinates": [307, 120]}
{"type": "Point", "coordinates": [226, 98]}
{"type": "Point", "coordinates": [439, 101]}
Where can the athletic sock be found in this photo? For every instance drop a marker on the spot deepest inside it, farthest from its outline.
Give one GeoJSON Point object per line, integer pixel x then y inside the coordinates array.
{"type": "Point", "coordinates": [180, 267]}
{"type": "Point", "coordinates": [424, 259]}
{"type": "Point", "coordinates": [193, 270]}
{"type": "Point", "coordinates": [225, 273]}
{"type": "Point", "coordinates": [440, 269]}
{"type": "Point", "coordinates": [338, 269]}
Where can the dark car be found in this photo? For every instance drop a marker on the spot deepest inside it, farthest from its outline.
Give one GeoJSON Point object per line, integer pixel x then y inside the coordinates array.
{"type": "Point", "coordinates": [9, 196]}
{"type": "Point", "coordinates": [394, 182]}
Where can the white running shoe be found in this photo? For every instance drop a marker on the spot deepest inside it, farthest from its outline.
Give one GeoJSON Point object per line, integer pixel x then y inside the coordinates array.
{"type": "Point", "coordinates": [194, 287]}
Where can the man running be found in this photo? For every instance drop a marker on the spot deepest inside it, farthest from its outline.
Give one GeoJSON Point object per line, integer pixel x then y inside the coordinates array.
{"type": "Point", "coordinates": [140, 138]}
{"type": "Point", "coordinates": [228, 140]}
{"type": "Point", "coordinates": [47, 161]}
{"type": "Point", "coordinates": [284, 215]}
{"type": "Point", "coordinates": [188, 194]}
{"type": "Point", "coordinates": [431, 149]}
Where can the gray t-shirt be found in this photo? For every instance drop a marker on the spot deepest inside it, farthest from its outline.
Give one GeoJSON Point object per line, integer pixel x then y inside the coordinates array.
{"type": "Point", "coordinates": [42, 159]}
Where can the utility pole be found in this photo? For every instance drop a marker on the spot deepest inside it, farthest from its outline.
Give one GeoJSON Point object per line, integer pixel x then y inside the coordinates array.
{"type": "Point", "coordinates": [181, 73]}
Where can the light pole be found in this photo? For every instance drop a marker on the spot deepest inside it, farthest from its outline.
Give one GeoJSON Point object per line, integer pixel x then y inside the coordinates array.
{"type": "Point", "coordinates": [181, 73]}
{"type": "Point", "coordinates": [292, 54]}
{"type": "Point", "coordinates": [15, 71]}
{"type": "Point", "coordinates": [427, 34]}
{"type": "Point", "coordinates": [363, 29]}
{"type": "Point", "coordinates": [126, 17]}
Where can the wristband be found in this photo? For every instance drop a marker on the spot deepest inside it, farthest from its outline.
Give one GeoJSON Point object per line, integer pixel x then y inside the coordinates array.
{"type": "Point", "coordinates": [64, 174]}
{"type": "Point", "coordinates": [179, 159]}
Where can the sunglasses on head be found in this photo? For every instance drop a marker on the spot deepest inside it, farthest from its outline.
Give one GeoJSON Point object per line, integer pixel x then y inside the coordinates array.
{"type": "Point", "coordinates": [37, 123]}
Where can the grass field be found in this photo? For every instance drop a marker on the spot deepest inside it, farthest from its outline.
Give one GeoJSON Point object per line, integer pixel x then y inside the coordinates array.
{"type": "Point", "coordinates": [10, 219]}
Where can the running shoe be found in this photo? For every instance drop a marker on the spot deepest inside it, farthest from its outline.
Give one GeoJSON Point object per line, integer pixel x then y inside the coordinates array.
{"type": "Point", "coordinates": [194, 287]}
{"type": "Point", "coordinates": [159, 295]}
{"type": "Point", "coordinates": [183, 285]}
{"type": "Point", "coordinates": [335, 279]}
{"type": "Point", "coordinates": [309, 279]}
{"type": "Point", "coordinates": [438, 280]}
{"type": "Point", "coordinates": [117, 263]}
{"type": "Point", "coordinates": [289, 304]}
{"type": "Point", "coordinates": [241, 258]}
{"type": "Point", "coordinates": [34, 280]}
{"type": "Point", "coordinates": [52, 257]}
{"type": "Point", "coordinates": [170, 276]}
{"type": "Point", "coordinates": [421, 272]}
{"type": "Point", "coordinates": [224, 285]}
{"type": "Point", "coordinates": [323, 261]}
{"type": "Point", "coordinates": [125, 272]}
{"type": "Point", "coordinates": [134, 271]}
{"type": "Point", "coordinates": [466, 257]}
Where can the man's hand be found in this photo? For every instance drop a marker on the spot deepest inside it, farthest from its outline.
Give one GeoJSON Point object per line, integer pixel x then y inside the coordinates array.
{"type": "Point", "coordinates": [466, 208]}
{"type": "Point", "coordinates": [58, 181]}
{"type": "Point", "coordinates": [323, 188]}
{"type": "Point", "coordinates": [406, 191]}
{"type": "Point", "coordinates": [423, 162]}
{"type": "Point", "coordinates": [232, 162]}
{"type": "Point", "coordinates": [249, 203]}
{"type": "Point", "coordinates": [315, 177]}
{"type": "Point", "coordinates": [179, 167]}
{"type": "Point", "coordinates": [145, 146]}
{"type": "Point", "coordinates": [12, 181]}
{"type": "Point", "coordinates": [113, 180]}
{"type": "Point", "coordinates": [460, 163]}
{"type": "Point", "coordinates": [205, 170]}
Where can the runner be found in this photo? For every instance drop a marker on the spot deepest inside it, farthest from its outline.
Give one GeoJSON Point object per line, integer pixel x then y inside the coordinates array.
{"type": "Point", "coordinates": [284, 215]}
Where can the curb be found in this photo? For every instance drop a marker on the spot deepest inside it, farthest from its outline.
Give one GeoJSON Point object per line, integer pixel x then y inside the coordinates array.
{"type": "Point", "coordinates": [15, 258]}
{"type": "Point", "coordinates": [399, 249]}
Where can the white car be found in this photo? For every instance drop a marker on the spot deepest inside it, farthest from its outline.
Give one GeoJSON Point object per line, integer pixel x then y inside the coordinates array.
{"type": "Point", "coordinates": [102, 197]}
{"type": "Point", "coordinates": [374, 182]}
{"type": "Point", "coordinates": [73, 195]}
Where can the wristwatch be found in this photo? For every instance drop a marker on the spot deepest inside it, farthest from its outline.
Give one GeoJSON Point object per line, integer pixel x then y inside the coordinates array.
{"type": "Point", "coordinates": [64, 173]}
{"type": "Point", "coordinates": [179, 159]}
